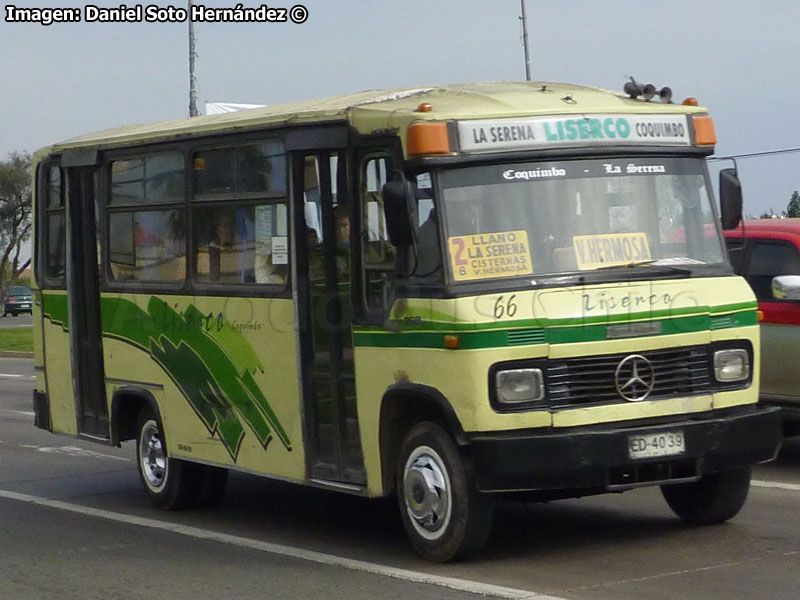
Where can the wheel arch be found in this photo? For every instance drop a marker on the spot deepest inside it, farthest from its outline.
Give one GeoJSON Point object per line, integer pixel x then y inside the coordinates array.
{"type": "Point", "coordinates": [127, 404]}
{"type": "Point", "coordinates": [402, 406]}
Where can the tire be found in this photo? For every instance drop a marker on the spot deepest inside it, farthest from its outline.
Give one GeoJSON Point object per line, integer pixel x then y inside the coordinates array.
{"type": "Point", "coordinates": [445, 516]}
{"type": "Point", "coordinates": [714, 499]}
{"type": "Point", "coordinates": [170, 483]}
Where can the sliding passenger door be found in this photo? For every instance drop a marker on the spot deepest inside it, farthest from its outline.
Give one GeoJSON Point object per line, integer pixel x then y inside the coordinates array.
{"type": "Point", "coordinates": [323, 216]}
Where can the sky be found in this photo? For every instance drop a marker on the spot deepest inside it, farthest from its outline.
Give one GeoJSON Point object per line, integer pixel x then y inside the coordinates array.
{"type": "Point", "coordinates": [738, 58]}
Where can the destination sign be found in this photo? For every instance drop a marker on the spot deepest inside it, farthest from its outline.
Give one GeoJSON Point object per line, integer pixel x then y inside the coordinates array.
{"type": "Point", "coordinates": [489, 255]}
{"type": "Point", "coordinates": [595, 130]}
{"type": "Point", "coordinates": [594, 251]}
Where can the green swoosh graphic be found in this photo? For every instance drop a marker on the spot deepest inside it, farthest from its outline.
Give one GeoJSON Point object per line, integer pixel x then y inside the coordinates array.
{"type": "Point", "coordinates": [197, 356]}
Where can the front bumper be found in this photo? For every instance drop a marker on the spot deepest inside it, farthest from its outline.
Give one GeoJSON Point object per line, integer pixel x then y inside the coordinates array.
{"type": "Point", "coordinates": [18, 307]}
{"type": "Point", "coordinates": [592, 460]}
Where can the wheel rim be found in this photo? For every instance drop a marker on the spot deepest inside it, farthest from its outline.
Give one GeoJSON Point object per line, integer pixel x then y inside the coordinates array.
{"type": "Point", "coordinates": [427, 492]}
{"type": "Point", "coordinates": [152, 456]}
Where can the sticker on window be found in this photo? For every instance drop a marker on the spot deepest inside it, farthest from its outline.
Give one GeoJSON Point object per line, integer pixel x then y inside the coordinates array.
{"type": "Point", "coordinates": [490, 255]}
{"type": "Point", "coordinates": [608, 250]}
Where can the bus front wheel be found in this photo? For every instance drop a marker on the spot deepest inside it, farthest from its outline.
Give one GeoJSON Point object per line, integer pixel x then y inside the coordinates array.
{"type": "Point", "coordinates": [445, 516]}
{"type": "Point", "coordinates": [716, 498]}
{"type": "Point", "coordinates": [170, 483]}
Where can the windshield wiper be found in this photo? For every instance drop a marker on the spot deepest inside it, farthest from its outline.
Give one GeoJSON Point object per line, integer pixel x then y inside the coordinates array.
{"type": "Point", "coordinates": [627, 265]}
{"type": "Point", "coordinates": [644, 263]}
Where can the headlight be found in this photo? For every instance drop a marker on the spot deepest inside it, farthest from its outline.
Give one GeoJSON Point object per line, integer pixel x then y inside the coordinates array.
{"type": "Point", "coordinates": [731, 365]}
{"type": "Point", "coordinates": [517, 386]}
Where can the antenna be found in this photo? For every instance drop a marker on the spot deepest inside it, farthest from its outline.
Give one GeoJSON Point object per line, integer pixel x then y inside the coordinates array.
{"type": "Point", "coordinates": [192, 79]}
{"type": "Point", "coordinates": [524, 19]}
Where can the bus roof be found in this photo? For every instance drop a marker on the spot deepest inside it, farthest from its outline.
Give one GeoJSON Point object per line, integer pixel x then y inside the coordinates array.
{"type": "Point", "coordinates": [390, 110]}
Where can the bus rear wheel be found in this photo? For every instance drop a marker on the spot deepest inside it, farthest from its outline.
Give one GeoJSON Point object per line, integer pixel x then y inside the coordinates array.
{"type": "Point", "coordinates": [714, 499]}
{"type": "Point", "coordinates": [170, 483]}
{"type": "Point", "coordinates": [445, 516]}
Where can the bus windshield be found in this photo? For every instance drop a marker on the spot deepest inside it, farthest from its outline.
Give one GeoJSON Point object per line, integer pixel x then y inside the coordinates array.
{"type": "Point", "coordinates": [522, 219]}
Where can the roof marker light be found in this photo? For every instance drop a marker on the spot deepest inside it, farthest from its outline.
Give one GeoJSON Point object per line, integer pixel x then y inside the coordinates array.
{"type": "Point", "coordinates": [425, 107]}
{"type": "Point", "coordinates": [690, 102]}
{"type": "Point", "coordinates": [704, 134]}
{"type": "Point", "coordinates": [427, 137]}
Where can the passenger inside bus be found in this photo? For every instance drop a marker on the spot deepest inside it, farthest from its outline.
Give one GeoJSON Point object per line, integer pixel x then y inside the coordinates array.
{"type": "Point", "coordinates": [342, 241]}
{"type": "Point", "coordinates": [240, 252]}
{"type": "Point", "coordinates": [222, 251]}
{"type": "Point", "coordinates": [429, 255]}
{"type": "Point", "coordinates": [427, 267]}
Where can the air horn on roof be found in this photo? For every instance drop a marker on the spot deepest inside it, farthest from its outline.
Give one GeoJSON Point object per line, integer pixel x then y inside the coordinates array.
{"type": "Point", "coordinates": [647, 91]}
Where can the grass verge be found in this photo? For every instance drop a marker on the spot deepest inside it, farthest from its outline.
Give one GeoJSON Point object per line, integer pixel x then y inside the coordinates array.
{"type": "Point", "coordinates": [16, 339]}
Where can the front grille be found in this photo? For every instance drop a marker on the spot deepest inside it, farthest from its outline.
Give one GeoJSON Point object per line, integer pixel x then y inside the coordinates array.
{"type": "Point", "coordinates": [722, 322]}
{"type": "Point", "coordinates": [524, 337]}
{"type": "Point", "coordinates": [590, 380]}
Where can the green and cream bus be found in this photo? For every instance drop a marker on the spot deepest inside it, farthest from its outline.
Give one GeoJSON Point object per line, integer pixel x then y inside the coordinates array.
{"type": "Point", "coordinates": [453, 294]}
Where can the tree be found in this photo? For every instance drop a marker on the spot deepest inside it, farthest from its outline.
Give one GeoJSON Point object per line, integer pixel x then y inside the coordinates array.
{"type": "Point", "coordinates": [15, 214]}
{"type": "Point", "coordinates": [793, 209]}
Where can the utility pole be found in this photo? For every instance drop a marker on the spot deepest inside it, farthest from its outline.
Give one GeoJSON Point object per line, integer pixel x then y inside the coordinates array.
{"type": "Point", "coordinates": [524, 20]}
{"type": "Point", "coordinates": [192, 79]}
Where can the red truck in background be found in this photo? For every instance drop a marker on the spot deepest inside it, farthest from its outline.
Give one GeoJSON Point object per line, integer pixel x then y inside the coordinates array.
{"type": "Point", "coordinates": [766, 252]}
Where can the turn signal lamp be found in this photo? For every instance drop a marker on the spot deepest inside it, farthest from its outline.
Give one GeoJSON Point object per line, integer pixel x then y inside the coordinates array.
{"type": "Point", "coordinates": [452, 342]}
{"type": "Point", "coordinates": [425, 138]}
{"type": "Point", "coordinates": [760, 315]}
{"type": "Point", "coordinates": [704, 133]}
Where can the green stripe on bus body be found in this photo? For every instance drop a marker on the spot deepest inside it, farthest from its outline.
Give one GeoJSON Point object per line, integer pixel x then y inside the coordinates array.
{"type": "Point", "coordinates": [220, 389]}
{"type": "Point", "coordinates": [54, 307]}
{"type": "Point", "coordinates": [499, 338]}
{"type": "Point", "coordinates": [410, 323]}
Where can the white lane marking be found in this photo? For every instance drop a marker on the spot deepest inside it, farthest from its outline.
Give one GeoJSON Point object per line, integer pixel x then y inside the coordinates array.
{"type": "Point", "coordinates": [16, 376]}
{"type": "Point", "coordinates": [727, 565]}
{"type": "Point", "coordinates": [18, 412]}
{"type": "Point", "coordinates": [462, 585]}
{"type": "Point", "coordinates": [73, 451]}
{"type": "Point", "coordinates": [776, 485]}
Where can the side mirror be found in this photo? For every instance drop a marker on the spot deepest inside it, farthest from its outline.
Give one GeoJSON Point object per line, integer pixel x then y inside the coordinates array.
{"type": "Point", "coordinates": [397, 201]}
{"type": "Point", "coordinates": [786, 287]}
{"type": "Point", "coordinates": [730, 198]}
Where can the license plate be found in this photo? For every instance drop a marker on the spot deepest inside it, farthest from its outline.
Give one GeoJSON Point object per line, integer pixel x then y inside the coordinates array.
{"type": "Point", "coordinates": [664, 443]}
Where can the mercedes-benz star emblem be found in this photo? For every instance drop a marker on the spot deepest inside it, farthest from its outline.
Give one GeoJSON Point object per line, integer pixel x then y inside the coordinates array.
{"type": "Point", "coordinates": [634, 378]}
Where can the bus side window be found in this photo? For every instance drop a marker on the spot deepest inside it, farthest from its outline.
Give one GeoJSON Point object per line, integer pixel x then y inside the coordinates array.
{"type": "Point", "coordinates": [378, 254]}
{"type": "Point", "coordinates": [145, 215]}
{"type": "Point", "coordinates": [55, 250]}
{"type": "Point", "coordinates": [240, 216]}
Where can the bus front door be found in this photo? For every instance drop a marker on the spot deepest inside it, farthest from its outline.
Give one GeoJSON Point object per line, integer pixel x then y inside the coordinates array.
{"type": "Point", "coordinates": [323, 284]}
